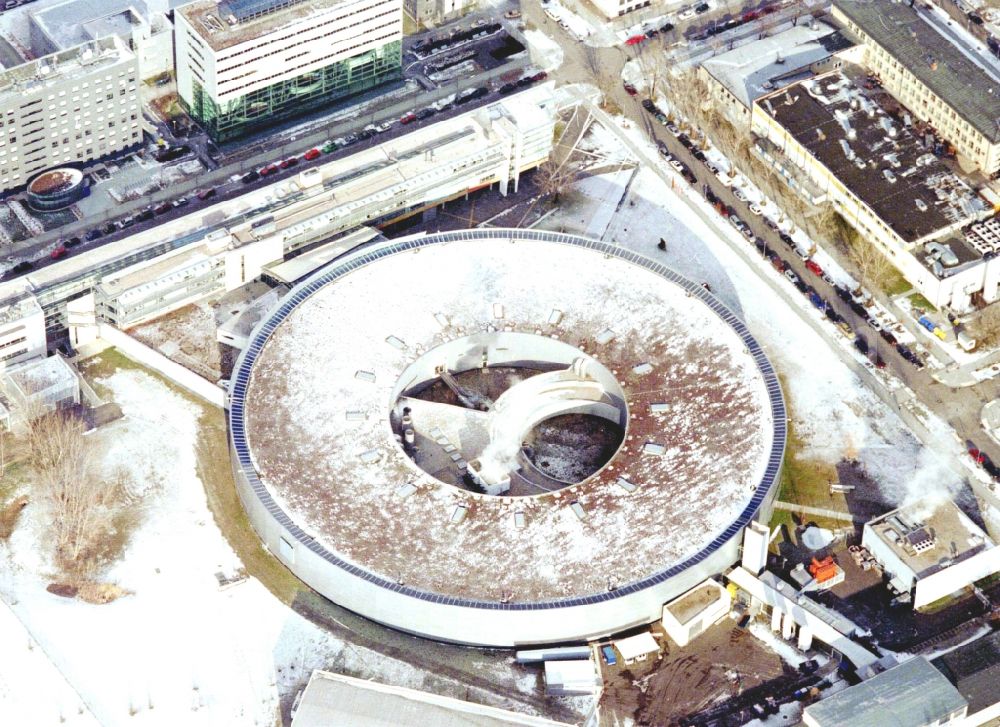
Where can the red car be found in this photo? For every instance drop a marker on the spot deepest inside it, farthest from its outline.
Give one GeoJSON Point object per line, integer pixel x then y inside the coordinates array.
{"type": "Point", "coordinates": [635, 40]}
{"type": "Point", "coordinates": [407, 117]}
{"type": "Point", "coordinates": [289, 162]}
{"type": "Point", "coordinates": [59, 252]}
{"type": "Point", "coordinates": [630, 89]}
{"type": "Point", "coordinates": [311, 154]}
{"type": "Point", "coordinates": [814, 268]}
{"type": "Point", "coordinates": [269, 169]}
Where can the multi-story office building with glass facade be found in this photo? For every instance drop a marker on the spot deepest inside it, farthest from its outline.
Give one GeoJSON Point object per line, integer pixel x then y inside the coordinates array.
{"type": "Point", "coordinates": [245, 64]}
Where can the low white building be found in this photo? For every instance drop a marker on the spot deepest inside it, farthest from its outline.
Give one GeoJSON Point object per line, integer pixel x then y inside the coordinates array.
{"type": "Point", "coordinates": [686, 617]}
{"type": "Point", "coordinates": [571, 677]}
{"type": "Point", "coordinates": [637, 648]}
{"type": "Point", "coordinates": [38, 387]}
{"type": "Point", "coordinates": [930, 551]}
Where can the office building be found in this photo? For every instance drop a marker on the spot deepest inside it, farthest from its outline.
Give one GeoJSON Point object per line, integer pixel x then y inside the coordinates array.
{"type": "Point", "coordinates": [246, 64]}
{"type": "Point", "coordinates": [67, 108]}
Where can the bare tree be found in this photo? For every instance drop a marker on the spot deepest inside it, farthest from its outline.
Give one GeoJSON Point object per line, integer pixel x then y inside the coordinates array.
{"type": "Point", "coordinates": [554, 179]}
{"type": "Point", "coordinates": [985, 328]}
{"type": "Point", "coordinates": [81, 505]}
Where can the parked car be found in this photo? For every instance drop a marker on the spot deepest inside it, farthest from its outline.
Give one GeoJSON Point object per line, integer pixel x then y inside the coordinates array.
{"type": "Point", "coordinates": [72, 242]}
{"type": "Point", "coordinates": [409, 116]}
{"type": "Point", "coordinates": [673, 129]}
{"type": "Point", "coordinates": [206, 193]}
{"type": "Point", "coordinates": [503, 91]}
{"type": "Point", "coordinates": [666, 27]}
{"type": "Point", "coordinates": [649, 105]}
{"type": "Point", "coordinates": [22, 267]}
{"type": "Point", "coordinates": [702, 8]}
{"type": "Point", "coordinates": [540, 76]}
{"type": "Point", "coordinates": [738, 194]}
{"type": "Point", "coordinates": [289, 162]}
{"type": "Point", "coordinates": [861, 344]}
{"type": "Point", "coordinates": [59, 253]}
{"type": "Point", "coordinates": [755, 210]}
{"type": "Point", "coordinates": [677, 165]}
{"type": "Point", "coordinates": [145, 215]}
{"type": "Point", "coordinates": [180, 202]}
{"type": "Point", "coordinates": [425, 113]}
{"type": "Point", "coordinates": [311, 154]}
{"type": "Point", "coordinates": [748, 234]}
{"type": "Point", "coordinates": [792, 277]}
{"type": "Point", "coordinates": [699, 155]}
{"type": "Point", "coordinates": [92, 235]}
{"type": "Point", "coordinates": [252, 176]}
{"type": "Point", "coordinates": [814, 268]}
{"type": "Point", "coordinates": [629, 89]}
{"type": "Point", "coordinates": [737, 223]}
{"type": "Point", "coordinates": [109, 227]}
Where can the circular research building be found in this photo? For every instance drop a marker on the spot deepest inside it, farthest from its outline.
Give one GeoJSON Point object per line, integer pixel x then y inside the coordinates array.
{"type": "Point", "coordinates": [56, 189]}
{"type": "Point", "coordinates": [504, 437]}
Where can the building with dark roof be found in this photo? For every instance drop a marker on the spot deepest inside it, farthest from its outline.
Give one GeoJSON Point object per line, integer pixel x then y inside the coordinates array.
{"type": "Point", "coordinates": [919, 60]}
{"type": "Point", "coordinates": [913, 694]}
{"type": "Point", "coordinates": [974, 669]}
{"type": "Point", "coordinates": [883, 179]}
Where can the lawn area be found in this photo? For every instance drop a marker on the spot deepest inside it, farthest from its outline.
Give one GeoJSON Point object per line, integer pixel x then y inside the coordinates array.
{"type": "Point", "coordinates": [919, 301]}
{"type": "Point", "coordinates": [217, 477]}
{"type": "Point", "coordinates": [897, 284]}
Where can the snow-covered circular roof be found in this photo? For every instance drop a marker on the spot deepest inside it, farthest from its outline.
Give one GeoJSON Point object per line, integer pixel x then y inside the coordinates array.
{"type": "Point", "coordinates": [311, 398]}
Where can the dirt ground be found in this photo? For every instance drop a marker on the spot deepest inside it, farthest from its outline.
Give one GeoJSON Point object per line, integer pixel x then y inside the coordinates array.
{"type": "Point", "coordinates": [723, 662]}
{"type": "Point", "coordinates": [187, 337]}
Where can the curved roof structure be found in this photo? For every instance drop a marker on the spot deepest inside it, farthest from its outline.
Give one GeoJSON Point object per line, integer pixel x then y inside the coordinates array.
{"type": "Point", "coordinates": [312, 395]}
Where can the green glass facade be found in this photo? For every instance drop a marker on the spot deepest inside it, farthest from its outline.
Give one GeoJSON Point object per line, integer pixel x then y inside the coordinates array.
{"type": "Point", "coordinates": [285, 99]}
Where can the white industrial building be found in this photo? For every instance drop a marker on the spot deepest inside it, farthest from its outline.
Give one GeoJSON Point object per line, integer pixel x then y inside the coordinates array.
{"type": "Point", "coordinates": [571, 677]}
{"type": "Point", "coordinates": [381, 324]}
{"type": "Point", "coordinates": [143, 27]}
{"type": "Point", "coordinates": [243, 64]}
{"type": "Point", "coordinates": [930, 551]}
{"type": "Point", "coordinates": [67, 108]}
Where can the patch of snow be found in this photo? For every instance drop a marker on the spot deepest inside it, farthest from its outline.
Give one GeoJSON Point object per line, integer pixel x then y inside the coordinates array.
{"type": "Point", "coordinates": [816, 538]}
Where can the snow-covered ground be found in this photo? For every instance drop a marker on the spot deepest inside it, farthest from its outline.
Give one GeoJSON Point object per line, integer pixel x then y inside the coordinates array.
{"type": "Point", "coordinates": [178, 651]}
{"type": "Point", "coordinates": [836, 415]}
{"type": "Point", "coordinates": [545, 52]}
